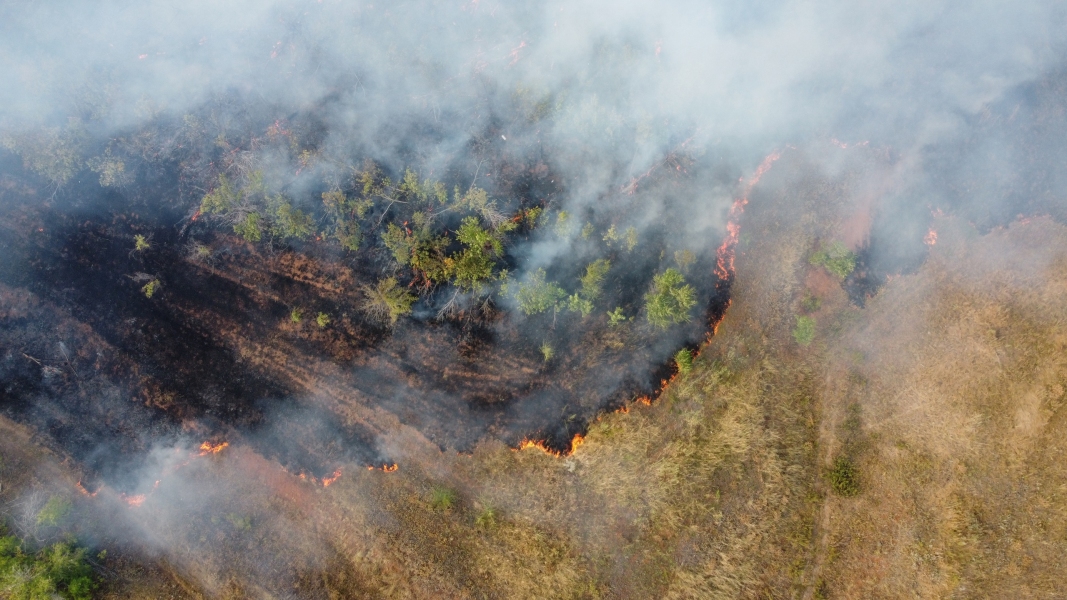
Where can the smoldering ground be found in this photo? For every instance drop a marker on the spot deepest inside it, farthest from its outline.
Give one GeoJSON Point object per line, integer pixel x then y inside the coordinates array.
{"type": "Point", "coordinates": [622, 116]}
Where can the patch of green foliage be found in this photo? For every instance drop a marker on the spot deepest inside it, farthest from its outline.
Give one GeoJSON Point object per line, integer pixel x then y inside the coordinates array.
{"type": "Point", "coordinates": [387, 301]}
{"type": "Point", "coordinates": [670, 299]}
{"type": "Point", "coordinates": [443, 498]}
{"type": "Point", "coordinates": [684, 360]}
{"type": "Point", "coordinates": [616, 317]}
{"type": "Point", "coordinates": [322, 319]}
{"type": "Point", "coordinates": [844, 477]}
{"type": "Point", "coordinates": [835, 258]}
{"type": "Point", "coordinates": [56, 571]}
{"type": "Point", "coordinates": [290, 223]}
{"type": "Point", "coordinates": [536, 295]}
{"type": "Point", "coordinates": [151, 288]}
{"type": "Point", "coordinates": [54, 511]}
{"type": "Point", "coordinates": [487, 518]}
{"type": "Point", "coordinates": [249, 228]}
{"type": "Point", "coordinates": [296, 315]}
{"type": "Point", "coordinates": [804, 332]}
{"type": "Point", "coordinates": [593, 280]}
{"type": "Point", "coordinates": [547, 351]}
{"type": "Point", "coordinates": [399, 242]}
{"type": "Point", "coordinates": [140, 243]}
{"type": "Point", "coordinates": [684, 258]}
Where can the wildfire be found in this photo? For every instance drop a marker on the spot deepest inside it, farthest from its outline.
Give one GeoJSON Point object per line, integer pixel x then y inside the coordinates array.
{"type": "Point", "coordinates": [196, 215]}
{"type": "Point", "coordinates": [576, 441]}
{"type": "Point", "coordinates": [209, 448]}
{"type": "Point", "coordinates": [81, 488]}
{"type": "Point", "coordinates": [931, 237]}
{"type": "Point", "coordinates": [724, 267]}
{"type": "Point", "coordinates": [134, 500]}
{"type": "Point", "coordinates": [326, 481]}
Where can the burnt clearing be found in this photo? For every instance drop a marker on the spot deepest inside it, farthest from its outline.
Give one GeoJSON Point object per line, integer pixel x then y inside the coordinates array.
{"type": "Point", "coordinates": [107, 373]}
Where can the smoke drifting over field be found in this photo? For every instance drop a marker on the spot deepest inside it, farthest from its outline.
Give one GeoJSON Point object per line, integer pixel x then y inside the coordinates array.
{"type": "Point", "coordinates": [631, 128]}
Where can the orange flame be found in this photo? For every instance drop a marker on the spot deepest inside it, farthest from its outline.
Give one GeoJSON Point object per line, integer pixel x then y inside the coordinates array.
{"type": "Point", "coordinates": [326, 481]}
{"type": "Point", "coordinates": [196, 215]}
{"type": "Point", "coordinates": [82, 489]}
{"type": "Point", "coordinates": [724, 267]}
{"type": "Point", "coordinates": [134, 500]}
{"type": "Point", "coordinates": [931, 238]}
{"type": "Point", "coordinates": [209, 448]}
{"type": "Point", "coordinates": [390, 469]}
{"type": "Point", "coordinates": [576, 441]}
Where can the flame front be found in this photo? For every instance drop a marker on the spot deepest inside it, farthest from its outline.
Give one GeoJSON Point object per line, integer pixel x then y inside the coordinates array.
{"type": "Point", "coordinates": [209, 448]}
{"type": "Point", "coordinates": [724, 266]}
{"type": "Point", "coordinates": [326, 481]}
{"type": "Point", "coordinates": [931, 237]}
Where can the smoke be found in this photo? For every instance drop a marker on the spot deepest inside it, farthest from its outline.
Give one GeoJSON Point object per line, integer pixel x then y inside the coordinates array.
{"type": "Point", "coordinates": [633, 119]}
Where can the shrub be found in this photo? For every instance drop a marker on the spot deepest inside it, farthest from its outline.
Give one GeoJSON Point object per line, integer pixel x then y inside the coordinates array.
{"type": "Point", "coordinates": [140, 243]}
{"type": "Point", "coordinates": [151, 288]}
{"type": "Point", "coordinates": [684, 360]}
{"type": "Point", "coordinates": [57, 571]}
{"type": "Point", "coordinates": [249, 228]}
{"type": "Point", "coordinates": [844, 477]}
{"type": "Point", "coordinates": [804, 332]}
{"type": "Point", "coordinates": [670, 299]}
{"type": "Point", "coordinates": [616, 316]}
{"type": "Point", "coordinates": [487, 518]}
{"type": "Point", "coordinates": [593, 280]}
{"type": "Point", "coordinates": [296, 316]}
{"type": "Point", "coordinates": [322, 319]}
{"type": "Point", "coordinates": [442, 498]}
{"type": "Point", "coordinates": [547, 351]}
{"type": "Point", "coordinates": [387, 301]}
{"type": "Point", "coordinates": [836, 258]}
{"type": "Point", "coordinates": [537, 295]}
{"type": "Point", "coordinates": [55, 510]}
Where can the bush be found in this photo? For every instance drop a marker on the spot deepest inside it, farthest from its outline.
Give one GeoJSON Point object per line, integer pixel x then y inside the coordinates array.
{"type": "Point", "coordinates": [151, 288]}
{"type": "Point", "coordinates": [844, 477]}
{"type": "Point", "coordinates": [836, 258]}
{"type": "Point", "coordinates": [57, 571]}
{"type": "Point", "coordinates": [670, 299]}
{"type": "Point", "coordinates": [322, 319]}
{"type": "Point", "coordinates": [387, 301]}
{"type": "Point", "coordinates": [296, 316]}
{"type": "Point", "coordinates": [684, 360]}
{"type": "Point", "coordinates": [547, 351]}
{"type": "Point", "coordinates": [442, 498]}
{"type": "Point", "coordinates": [537, 295]}
{"type": "Point", "coordinates": [55, 510]}
{"type": "Point", "coordinates": [804, 332]}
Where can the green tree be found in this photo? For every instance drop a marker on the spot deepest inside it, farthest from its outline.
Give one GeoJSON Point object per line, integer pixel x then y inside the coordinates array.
{"type": "Point", "coordinates": [151, 288]}
{"type": "Point", "coordinates": [290, 222]}
{"type": "Point", "coordinates": [593, 280]}
{"type": "Point", "coordinates": [322, 319]}
{"type": "Point", "coordinates": [670, 299]}
{"type": "Point", "coordinates": [400, 242]}
{"type": "Point", "coordinates": [140, 243]}
{"type": "Point", "coordinates": [387, 301]}
{"type": "Point", "coordinates": [57, 571]}
{"type": "Point", "coordinates": [249, 228]}
{"type": "Point", "coordinates": [536, 295]}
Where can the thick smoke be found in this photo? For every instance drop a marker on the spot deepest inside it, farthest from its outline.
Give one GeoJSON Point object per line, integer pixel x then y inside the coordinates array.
{"type": "Point", "coordinates": [609, 97]}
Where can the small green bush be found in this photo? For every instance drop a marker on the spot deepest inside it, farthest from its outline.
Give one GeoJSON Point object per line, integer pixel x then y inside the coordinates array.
{"type": "Point", "coordinates": [547, 351]}
{"type": "Point", "coordinates": [387, 301]}
{"type": "Point", "coordinates": [296, 316]}
{"type": "Point", "coordinates": [844, 477]}
{"type": "Point", "coordinates": [322, 319]}
{"type": "Point", "coordinates": [54, 511]}
{"type": "Point", "coordinates": [536, 295]}
{"type": "Point", "coordinates": [442, 498]}
{"type": "Point", "coordinates": [487, 518]}
{"type": "Point", "coordinates": [140, 243]}
{"type": "Point", "coordinates": [684, 360]}
{"type": "Point", "coordinates": [670, 299]}
{"type": "Point", "coordinates": [836, 258]}
{"type": "Point", "coordinates": [804, 332]}
{"type": "Point", "coordinates": [151, 288]}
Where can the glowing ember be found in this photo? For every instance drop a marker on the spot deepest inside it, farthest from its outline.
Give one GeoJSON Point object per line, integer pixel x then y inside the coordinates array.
{"type": "Point", "coordinates": [540, 445]}
{"type": "Point", "coordinates": [209, 448]}
{"type": "Point", "coordinates": [82, 489]}
{"type": "Point", "coordinates": [326, 481]}
{"type": "Point", "coordinates": [390, 469]}
{"type": "Point", "coordinates": [931, 238]}
{"type": "Point", "coordinates": [134, 500]}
